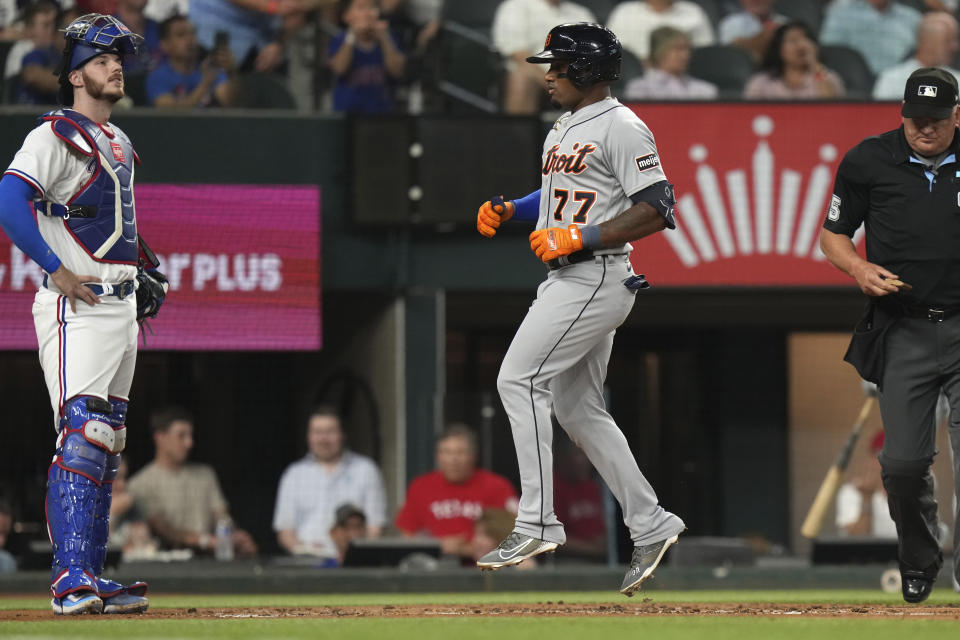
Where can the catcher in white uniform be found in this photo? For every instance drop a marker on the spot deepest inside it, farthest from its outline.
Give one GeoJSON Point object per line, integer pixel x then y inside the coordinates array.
{"type": "Point", "coordinates": [603, 187]}
{"type": "Point", "coordinates": [75, 173]}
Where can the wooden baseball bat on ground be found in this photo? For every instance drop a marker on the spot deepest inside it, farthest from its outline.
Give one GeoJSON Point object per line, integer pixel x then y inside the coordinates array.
{"type": "Point", "coordinates": [828, 490]}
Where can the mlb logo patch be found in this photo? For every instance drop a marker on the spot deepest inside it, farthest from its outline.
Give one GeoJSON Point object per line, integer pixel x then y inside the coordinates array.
{"type": "Point", "coordinates": [834, 213]}
{"type": "Point", "coordinates": [927, 91]}
{"type": "Point", "coordinates": [117, 152]}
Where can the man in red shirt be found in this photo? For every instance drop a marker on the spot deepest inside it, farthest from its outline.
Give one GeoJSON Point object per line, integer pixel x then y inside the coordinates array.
{"type": "Point", "coordinates": [443, 504]}
{"type": "Point", "coordinates": [578, 503]}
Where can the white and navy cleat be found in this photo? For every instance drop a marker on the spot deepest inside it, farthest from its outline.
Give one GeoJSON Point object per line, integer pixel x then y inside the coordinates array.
{"type": "Point", "coordinates": [125, 602]}
{"type": "Point", "coordinates": [77, 603]}
{"type": "Point", "coordinates": [514, 550]}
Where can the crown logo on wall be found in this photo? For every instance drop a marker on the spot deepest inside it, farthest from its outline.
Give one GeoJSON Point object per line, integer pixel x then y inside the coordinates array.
{"type": "Point", "coordinates": [767, 216]}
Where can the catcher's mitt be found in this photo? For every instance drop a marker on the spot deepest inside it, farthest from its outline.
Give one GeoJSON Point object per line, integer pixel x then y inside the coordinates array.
{"type": "Point", "coordinates": [151, 291]}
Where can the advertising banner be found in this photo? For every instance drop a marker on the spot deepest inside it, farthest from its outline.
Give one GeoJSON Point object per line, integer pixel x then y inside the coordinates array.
{"type": "Point", "coordinates": [753, 184]}
{"type": "Point", "coordinates": [243, 263]}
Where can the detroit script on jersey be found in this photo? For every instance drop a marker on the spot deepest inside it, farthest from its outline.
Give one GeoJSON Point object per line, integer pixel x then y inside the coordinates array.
{"type": "Point", "coordinates": [593, 160]}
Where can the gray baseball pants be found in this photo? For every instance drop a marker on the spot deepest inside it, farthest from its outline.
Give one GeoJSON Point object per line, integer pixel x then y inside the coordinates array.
{"type": "Point", "coordinates": [921, 358]}
{"type": "Point", "coordinates": [558, 361]}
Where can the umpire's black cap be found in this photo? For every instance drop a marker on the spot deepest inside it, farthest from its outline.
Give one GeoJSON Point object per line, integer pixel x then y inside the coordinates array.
{"type": "Point", "coordinates": [930, 93]}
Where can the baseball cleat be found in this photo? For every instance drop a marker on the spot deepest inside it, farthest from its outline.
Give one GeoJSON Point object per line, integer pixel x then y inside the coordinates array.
{"type": "Point", "coordinates": [74, 604]}
{"type": "Point", "coordinates": [644, 561]}
{"type": "Point", "coordinates": [125, 603]}
{"type": "Point", "coordinates": [514, 550]}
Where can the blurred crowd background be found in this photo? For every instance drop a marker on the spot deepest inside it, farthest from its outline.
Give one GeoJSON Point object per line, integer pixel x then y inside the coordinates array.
{"type": "Point", "coordinates": [441, 56]}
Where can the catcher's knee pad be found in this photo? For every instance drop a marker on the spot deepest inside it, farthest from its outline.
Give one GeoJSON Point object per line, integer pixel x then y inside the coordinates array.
{"type": "Point", "coordinates": [117, 421]}
{"type": "Point", "coordinates": [89, 442]}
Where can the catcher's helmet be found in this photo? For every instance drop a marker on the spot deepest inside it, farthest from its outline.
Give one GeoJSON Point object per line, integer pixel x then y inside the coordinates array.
{"type": "Point", "coordinates": [87, 37]}
{"type": "Point", "coordinates": [592, 50]}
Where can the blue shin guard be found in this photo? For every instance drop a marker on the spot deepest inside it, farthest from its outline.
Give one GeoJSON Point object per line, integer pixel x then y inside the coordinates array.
{"type": "Point", "coordinates": [117, 419]}
{"type": "Point", "coordinates": [73, 493]}
{"type": "Point", "coordinates": [71, 501]}
{"type": "Point", "coordinates": [117, 597]}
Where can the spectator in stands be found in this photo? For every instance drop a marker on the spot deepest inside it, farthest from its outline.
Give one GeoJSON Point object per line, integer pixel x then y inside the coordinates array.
{"type": "Point", "coordinates": [129, 530]}
{"type": "Point", "coordinates": [365, 59]}
{"type": "Point", "coordinates": [9, 29]}
{"type": "Point", "coordinates": [329, 476]}
{"type": "Point", "coordinates": [416, 23]}
{"type": "Point", "coordinates": [349, 524]}
{"type": "Point", "coordinates": [519, 29]}
{"type": "Point", "coordinates": [182, 80]}
{"type": "Point", "coordinates": [106, 7]}
{"type": "Point", "coordinates": [36, 57]}
{"type": "Point", "coordinates": [182, 500]}
{"type": "Point", "coordinates": [666, 74]}
{"type": "Point", "coordinates": [490, 529]}
{"type": "Point", "coordinates": [130, 13]}
{"type": "Point", "coordinates": [257, 36]}
{"type": "Point", "coordinates": [7, 562]}
{"type": "Point", "coordinates": [578, 503]}
{"type": "Point", "coordinates": [937, 46]}
{"type": "Point", "coordinates": [419, 18]}
{"type": "Point", "coordinates": [444, 504]}
{"type": "Point", "coordinates": [791, 69]}
{"type": "Point", "coordinates": [883, 31]}
{"type": "Point", "coordinates": [862, 501]}
{"type": "Point", "coordinates": [160, 10]}
{"type": "Point", "coordinates": [752, 27]}
{"type": "Point", "coordinates": [633, 22]}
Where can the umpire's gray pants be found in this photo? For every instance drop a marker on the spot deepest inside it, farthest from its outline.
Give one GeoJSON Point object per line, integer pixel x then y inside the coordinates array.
{"type": "Point", "coordinates": [921, 358]}
{"type": "Point", "coordinates": [558, 360]}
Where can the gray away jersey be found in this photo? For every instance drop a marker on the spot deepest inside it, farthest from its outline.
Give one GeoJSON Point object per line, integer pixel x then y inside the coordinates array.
{"type": "Point", "coordinates": [593, 161]}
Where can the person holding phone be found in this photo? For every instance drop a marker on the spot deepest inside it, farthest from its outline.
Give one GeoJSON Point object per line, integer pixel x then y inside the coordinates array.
{"type": "Point", "coordinates": [365, 59]}
{"type": "Point", "coordinates": [183, 81]}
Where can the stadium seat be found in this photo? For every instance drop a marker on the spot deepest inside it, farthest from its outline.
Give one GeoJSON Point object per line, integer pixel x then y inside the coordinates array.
{"type": "Point", "coordinates": [264, 91]}
{"type": "Point", "coordinates": [919, 5]}
{"type": "Point", "coordinates": [5, 46]}
{"type": "Point", "coordinates": [135, 86]}
{"type": "Point", "coordinates": [470, 70]}
{"type": "Point", "coordinates": [9, 89]}
{"type": "Point", "coordinates": [472, 15]}
{"type": "Point", "coordinates": [600, 8]}
{"type": "Point", "coordinates": [727, 67]}
{"type": "Point", "coordinates": [849, 65]}
{"type": "Point", "coordinates": [630, 68]}
{"type": "Point", "coordinates": [713, 10]}
{"type": "Point", "coordinates": [810, 12]}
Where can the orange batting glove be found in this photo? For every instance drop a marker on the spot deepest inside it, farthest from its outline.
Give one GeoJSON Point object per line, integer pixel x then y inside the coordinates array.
{"type": "Point", "coordinates": [555, 242]}
{"type": "Point", "coordinates": [491, 214]}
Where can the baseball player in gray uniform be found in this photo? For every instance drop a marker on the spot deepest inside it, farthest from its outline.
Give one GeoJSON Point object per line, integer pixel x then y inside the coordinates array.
{"type": "Point", "coordinates": [602, 188]}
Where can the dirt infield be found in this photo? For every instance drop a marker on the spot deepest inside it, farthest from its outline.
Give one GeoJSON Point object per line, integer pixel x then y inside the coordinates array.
{"type": "Point", "coordinates": [645, 607]}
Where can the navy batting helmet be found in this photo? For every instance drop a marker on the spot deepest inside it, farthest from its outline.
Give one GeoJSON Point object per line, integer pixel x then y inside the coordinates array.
{"type": "Point", "coordinates": [592, 50]}
{"type": "Point", "coordinates": [87, 37]}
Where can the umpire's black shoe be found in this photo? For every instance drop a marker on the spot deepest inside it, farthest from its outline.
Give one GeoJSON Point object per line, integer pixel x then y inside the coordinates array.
{"type": "Point", "coordinates": [916, 587]}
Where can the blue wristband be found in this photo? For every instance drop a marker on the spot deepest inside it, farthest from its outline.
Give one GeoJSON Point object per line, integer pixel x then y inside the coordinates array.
{"type": "Point", "coordinates": [528, 207]}
{"type": "Point", "coordinates": [590, 234]}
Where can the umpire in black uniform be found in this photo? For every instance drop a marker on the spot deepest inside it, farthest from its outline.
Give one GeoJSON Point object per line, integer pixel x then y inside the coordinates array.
{"type": "Point", "coordinates": [904, 186]}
